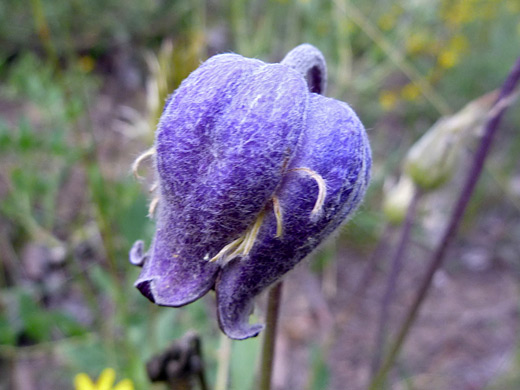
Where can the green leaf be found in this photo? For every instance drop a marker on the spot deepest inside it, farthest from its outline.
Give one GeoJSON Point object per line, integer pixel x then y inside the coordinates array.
{"type": "Point", "coordinates": [67, 325]}
{"type": "Point", "coordinates": [37, 323]}
{"type": "Point", "coordinates": [7, 333]}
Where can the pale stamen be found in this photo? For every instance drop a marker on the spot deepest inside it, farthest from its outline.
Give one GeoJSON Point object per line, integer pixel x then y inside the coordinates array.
{"type": "Point", "coordinates": [227, 248]}
{"type": "Point", "coordinates": [242, 245]}
{"type": "Point", "coordinates": [278, 214]}
{"type": "Point", "coordinates": [153, 206]}
{"type": "Point", "coordinates": [143, 156]}
{"type": "Point", "coordinates": [322, 188]}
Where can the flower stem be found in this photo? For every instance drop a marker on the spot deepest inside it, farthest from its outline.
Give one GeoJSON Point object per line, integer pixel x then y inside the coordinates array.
{"type": "Point", "coordinates": [224, 361]}
{"type": "Point", "coordinates": [397, 265]}
{"type": "Point", "coordinates": [273, 307]}
{"type": "Point", "coordinates": [504, 100]}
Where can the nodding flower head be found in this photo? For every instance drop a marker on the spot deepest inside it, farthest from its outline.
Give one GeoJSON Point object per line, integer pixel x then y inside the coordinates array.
{"type": "Point", "coordinates": [254, 169]}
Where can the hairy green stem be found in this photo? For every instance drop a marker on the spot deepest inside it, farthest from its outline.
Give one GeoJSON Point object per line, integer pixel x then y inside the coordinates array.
{"type": "Point", "coordinates": [504, 100]}
{"type": "Point", "coordinates": [271, 323]}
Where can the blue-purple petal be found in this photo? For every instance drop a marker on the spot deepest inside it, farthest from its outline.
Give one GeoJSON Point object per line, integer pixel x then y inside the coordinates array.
{"type": "Point", "coordinates": [335, 146]}
{"type": "Point", "coordinates": [222, 144]}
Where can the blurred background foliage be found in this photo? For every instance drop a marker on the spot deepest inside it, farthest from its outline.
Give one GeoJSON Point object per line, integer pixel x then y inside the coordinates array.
{"type": "Point", "coordinates": [82, 84]}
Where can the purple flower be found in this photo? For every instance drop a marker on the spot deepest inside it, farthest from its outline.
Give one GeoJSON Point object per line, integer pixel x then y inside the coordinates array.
{"type": "Point", "coordinates": [254, 171]}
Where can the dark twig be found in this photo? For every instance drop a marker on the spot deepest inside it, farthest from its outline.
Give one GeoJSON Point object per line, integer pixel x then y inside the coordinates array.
{"type": "Point", "coordinates": [504, 100]}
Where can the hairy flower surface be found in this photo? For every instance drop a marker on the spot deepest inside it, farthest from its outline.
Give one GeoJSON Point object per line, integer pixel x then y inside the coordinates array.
{"type": "Point", "coordinates": [254, 171]}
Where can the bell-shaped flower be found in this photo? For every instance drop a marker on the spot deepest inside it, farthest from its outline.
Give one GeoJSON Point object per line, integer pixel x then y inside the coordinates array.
{"type": "Point", "coordinates": [254, 170]}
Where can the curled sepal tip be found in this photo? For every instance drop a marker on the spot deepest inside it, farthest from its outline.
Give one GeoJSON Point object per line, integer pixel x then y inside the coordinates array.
{"type": "Point", "coordinates": [136, 255]}
{"type": "Point", "coordinates": [310, 63]}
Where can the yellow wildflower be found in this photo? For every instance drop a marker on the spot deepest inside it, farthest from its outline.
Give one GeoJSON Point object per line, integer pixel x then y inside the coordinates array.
{"type": "Point", "coordinates": [389, 19]}
{"type": "Point", "coordinates": [387, 22]}
{"type": "Point", "coordinates": [387, 99]}
{"type": "Point", "coordinates": [459, 12]}
{"type": "Point", "coordinates": [105, 382]}
{"type": "Point", "coordinates": [346, 27]}
{"type": "Point", "coordinates": [452, 53]}
{"type": "Point", "coordinates": [458, 43]}
{"type": "Point", "coordinates": [417, 43]}
{"type": "Point", "coordinates": [410, 92]}
{"type": "Point", "coordinates": [448, 58]}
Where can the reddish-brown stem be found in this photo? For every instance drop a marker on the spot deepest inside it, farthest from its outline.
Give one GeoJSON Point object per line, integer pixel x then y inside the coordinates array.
{"type": "Point", "coordinates": [396, 266]}
{"type": "Point", "coordinates": [438, 256]}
